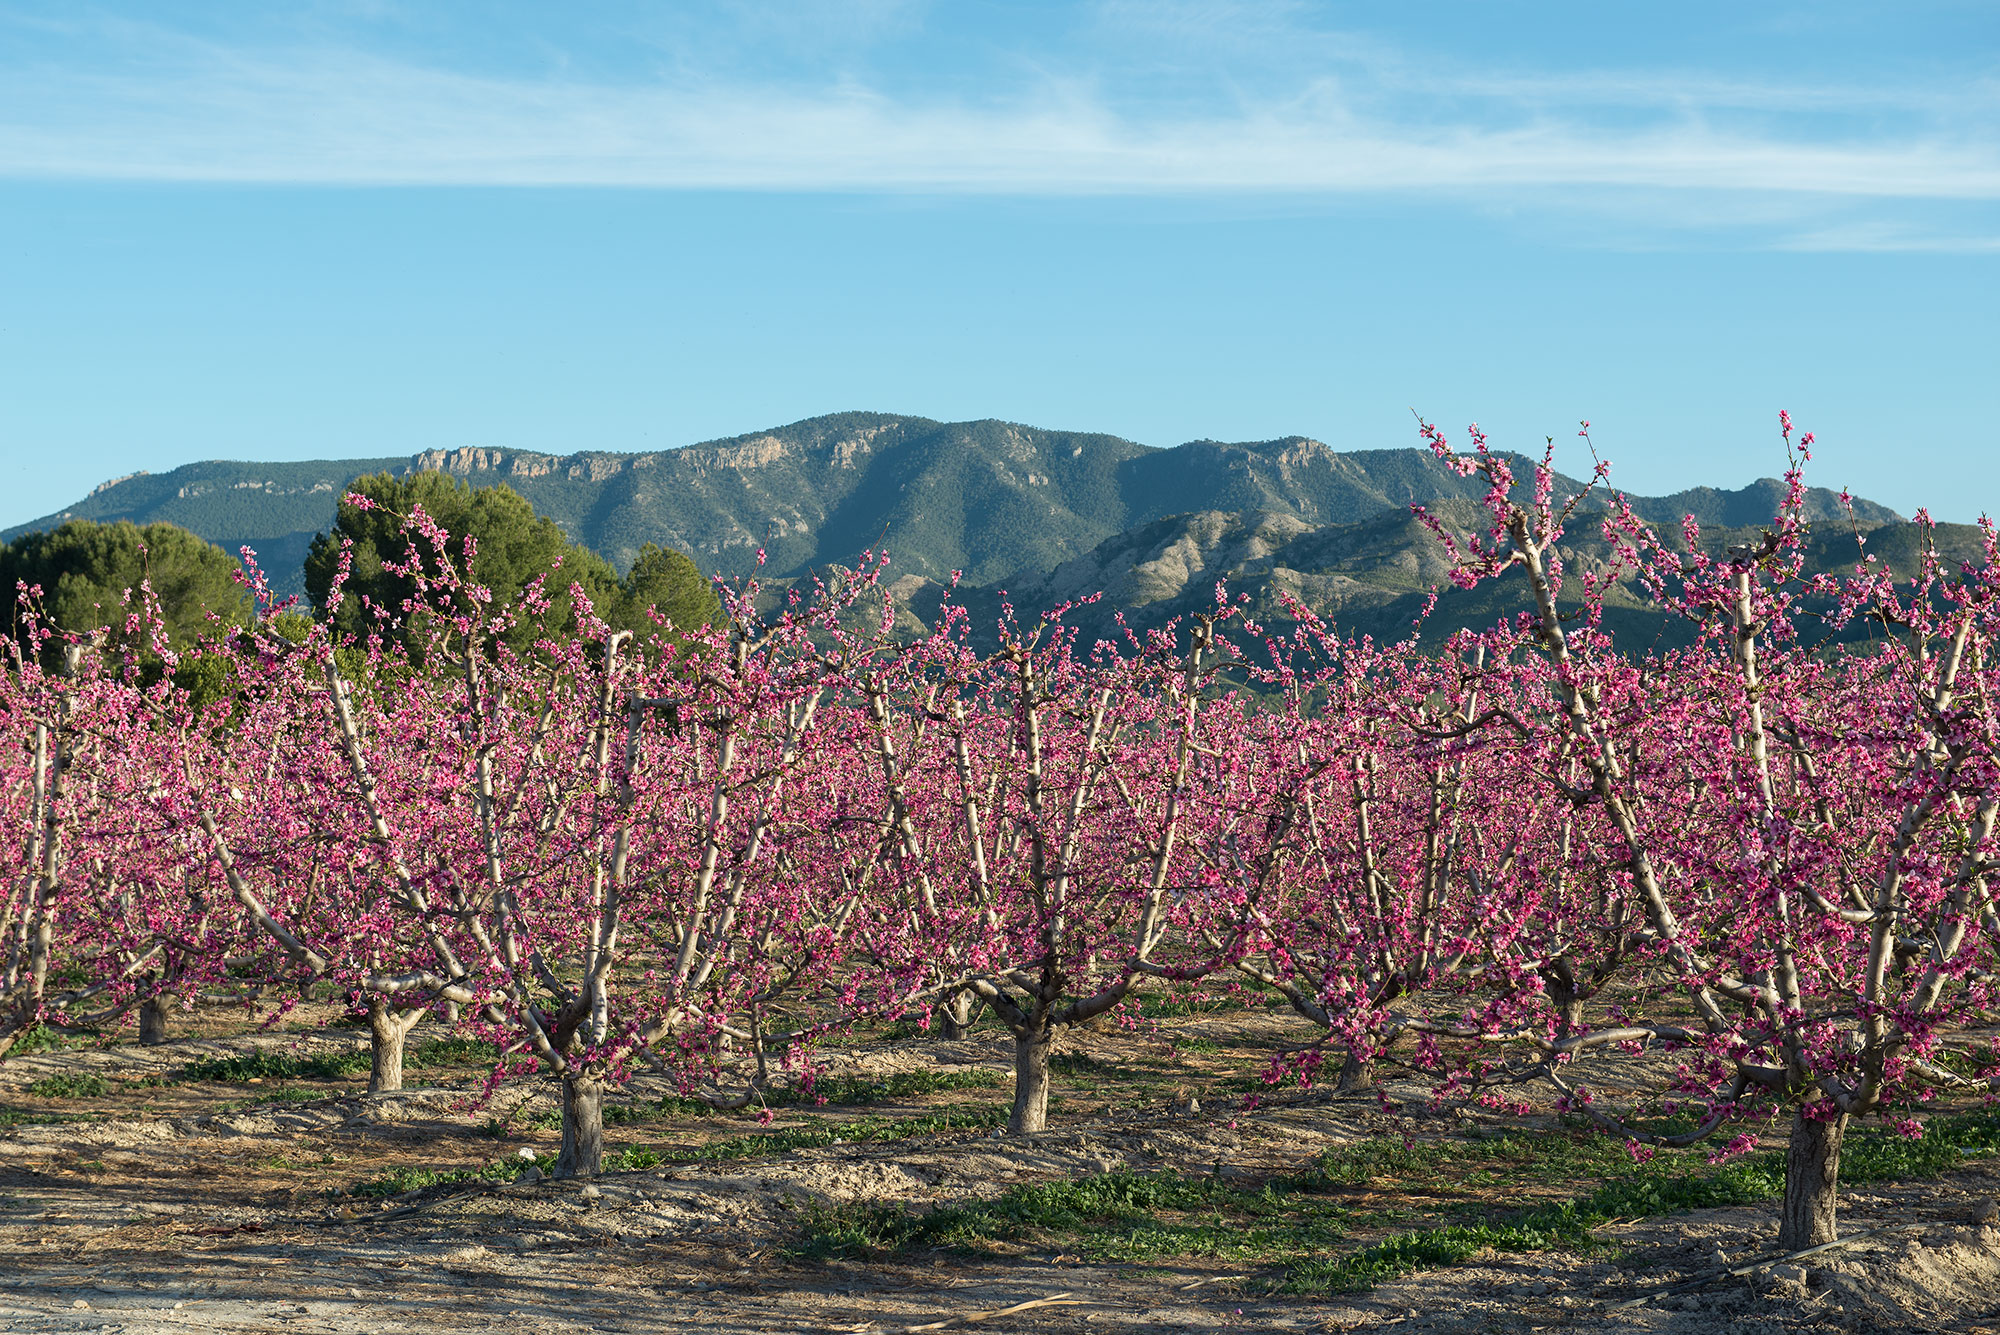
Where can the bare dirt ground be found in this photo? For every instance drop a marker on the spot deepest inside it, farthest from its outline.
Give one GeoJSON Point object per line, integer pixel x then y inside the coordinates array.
{"type": "Point", "coordinates": [165, 1204]}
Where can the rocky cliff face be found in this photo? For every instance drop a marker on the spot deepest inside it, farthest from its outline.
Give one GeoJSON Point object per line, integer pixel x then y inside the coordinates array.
{"type": "Point", "coordinates": [1171, 567]}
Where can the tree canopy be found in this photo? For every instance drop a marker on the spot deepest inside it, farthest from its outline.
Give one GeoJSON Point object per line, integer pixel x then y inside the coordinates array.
{"type": "Point", "coordinates": [512, 547]}
{"type": "Point", "coordinates": [669, 583]}
{"type": "Point", "coordinates": [85, 569]}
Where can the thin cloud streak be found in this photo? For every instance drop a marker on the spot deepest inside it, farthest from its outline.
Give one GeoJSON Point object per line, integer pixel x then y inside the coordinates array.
{"type": "Point", "coordinates": [1888, 238]}
{"type": "Point", "coordinates": [192, 111]}
{"type": "Point", "coordinates": [373, 123]}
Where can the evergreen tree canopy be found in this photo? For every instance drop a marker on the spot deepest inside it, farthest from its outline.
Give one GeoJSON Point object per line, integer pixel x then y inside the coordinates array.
{"type": "Point", "coordinates": [671, 584]}
{"type": "Point", "coordinates": [84, 570]}
{"type": "Point", "coordinates": [512, 546]}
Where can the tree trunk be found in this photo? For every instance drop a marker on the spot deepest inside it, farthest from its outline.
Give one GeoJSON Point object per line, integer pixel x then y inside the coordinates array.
{"type": "Point", "coordinates": [1812, 1182]}
{"type": "Point", "coordinates": [954, 1016]}
{"type": "Point", "coordinates": [582, 1127]}
{"type": "Point", "coordinates": [1572, 1018]}
{"type": "Point", "coordinates": [386, 1032]}
{"type": "Point", "coordinates": [1031, 1078]}
{"type": "Point", "coordinates": [1357, 1073]}
{"type": "Point", "coordinates": [1559, 980]}
{"type": "Point", "coordinates": [153, 1020]}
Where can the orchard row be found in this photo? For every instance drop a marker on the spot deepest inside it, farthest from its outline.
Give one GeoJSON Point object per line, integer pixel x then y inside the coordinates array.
{"type": "Point", "coordinates": [1495, 859]}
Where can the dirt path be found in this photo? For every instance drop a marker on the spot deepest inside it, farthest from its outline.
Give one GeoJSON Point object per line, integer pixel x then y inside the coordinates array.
{"type": "Point", "coordinates": [546, 1269]}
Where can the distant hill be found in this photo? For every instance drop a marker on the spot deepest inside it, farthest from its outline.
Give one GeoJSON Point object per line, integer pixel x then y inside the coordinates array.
{"type": "Point", "coordinates": [1002, 502]}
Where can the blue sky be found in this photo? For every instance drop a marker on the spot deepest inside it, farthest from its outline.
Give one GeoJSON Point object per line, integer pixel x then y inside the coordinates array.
{"type": "Point", "coordinates": [366, 227]}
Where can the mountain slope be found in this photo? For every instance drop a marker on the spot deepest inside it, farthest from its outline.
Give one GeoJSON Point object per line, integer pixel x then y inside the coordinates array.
{"type": "Point", "coordinates": [999, 501]}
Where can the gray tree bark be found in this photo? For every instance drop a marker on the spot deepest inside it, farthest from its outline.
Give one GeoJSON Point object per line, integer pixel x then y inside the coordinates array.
{"type": "Point", "coordinates": [1031, 1078]}
{"type": "Point", "coordinates": [153, 1013]}
{"type": "Point", "coordinates": [1812, 1183]}
{"type": "Point", "coordinates": [1560, 978]}
{"type": "Point", "coordinates": [1572, 1018]}
{"type": "Point", "coordinates": [954, 1015]}
{"type": "Point", "coordinates": [386, 1033]}
{"type": "Point", "coordinates": [1356, 1074]}
{"type": "Point", "coordinates": [582, 1127]}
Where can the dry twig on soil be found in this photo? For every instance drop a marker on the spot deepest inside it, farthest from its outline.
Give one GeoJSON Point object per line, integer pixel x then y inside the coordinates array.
{"type": "Point", "coordinates": [1055, 1300]}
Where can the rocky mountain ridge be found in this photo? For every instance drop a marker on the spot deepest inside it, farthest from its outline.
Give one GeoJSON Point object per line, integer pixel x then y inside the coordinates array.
{"type": "Point", "coordinates": [1049, 515]}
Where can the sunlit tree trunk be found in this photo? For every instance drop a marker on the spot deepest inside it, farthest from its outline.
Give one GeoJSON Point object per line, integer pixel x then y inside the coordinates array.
{"type": "Point", "coordinates": [1812, 1182]}
{"type": "Point", "coordinates": [387, 1030]}
{"type": "Point", "coordinates": [582, 1127]}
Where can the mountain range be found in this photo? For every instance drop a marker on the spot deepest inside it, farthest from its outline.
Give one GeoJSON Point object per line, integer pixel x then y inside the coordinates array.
{"type": "Point", "coordinates": [1046, 515]}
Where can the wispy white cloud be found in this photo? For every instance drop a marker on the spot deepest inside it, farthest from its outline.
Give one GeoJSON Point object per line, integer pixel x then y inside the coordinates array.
{"type": "Point", "coordinates": [361, 120]}
{"type": "Point", "coordinates": [180, 109]}
{"type": "Point", "coordinates": [1886, 237]}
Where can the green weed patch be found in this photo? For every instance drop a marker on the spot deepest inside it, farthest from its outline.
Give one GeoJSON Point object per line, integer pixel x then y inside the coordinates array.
{"type": "Point", "coordinates": [400, 1181]}
{"type": "Point", "coordinates": [857, 1092]}
{"type": "Point", "coordinates": [1182, 1006]}
{"type": "Point", "coordinates": [1292, 1224]}
{"type": "Point", "coordinates": [71, 1085]}
{"type": "Point", "coordinates": [1564, 1224]}
{"type": "Point", "coordinates": [839, 1092]}
{"type": "Point", "coordinates": [1878, 1156]}
{"type": "Point", "coordinates": [276, 1096]}
{"type": "Point", "coordinates": [36, 1117]}
{"type": "Point", "coordinates": [1115, 1216]}
{"type": "Point", "coordinates": [450, 1052]}
{"type": "Point", "coordinates": [757, 1144]}
{"type": "Point", "coordinates": [41, 1038]}
{"type": "Point", "coordinates": [441, 1052]}
{"type": "Point", "coordinates": [617, 1114]}
{"type": "Point", "coordinates": [277, 1066]}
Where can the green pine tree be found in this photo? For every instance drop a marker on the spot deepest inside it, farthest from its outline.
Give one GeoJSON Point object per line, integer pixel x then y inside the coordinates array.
{"type": "Point", "coordinates": [512, 546]}
{"type": "Point", "coordinates": [85, 570]}
{"type": "Point", "coordinates": [668, 583]}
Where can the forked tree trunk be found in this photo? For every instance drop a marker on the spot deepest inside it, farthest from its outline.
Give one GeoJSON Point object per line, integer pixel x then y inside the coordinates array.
{"type": "Point", "coordinates": [582, 1127]}
{"type": "Point", "coordinates": [153, 1020]}
{"type": "Point", "coordinates": [386, 1032]}
{"type": "Point", "coordinates": [954, 1015]}
{"type": "Point", "coordinates": [1031, 1078]}
{"type": "Point", "coordinates": [1812, 1182]}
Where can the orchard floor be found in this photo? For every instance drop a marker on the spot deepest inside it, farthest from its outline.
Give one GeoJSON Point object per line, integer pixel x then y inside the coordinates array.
{"type": "Point", "coordinates": [163, 1203]}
